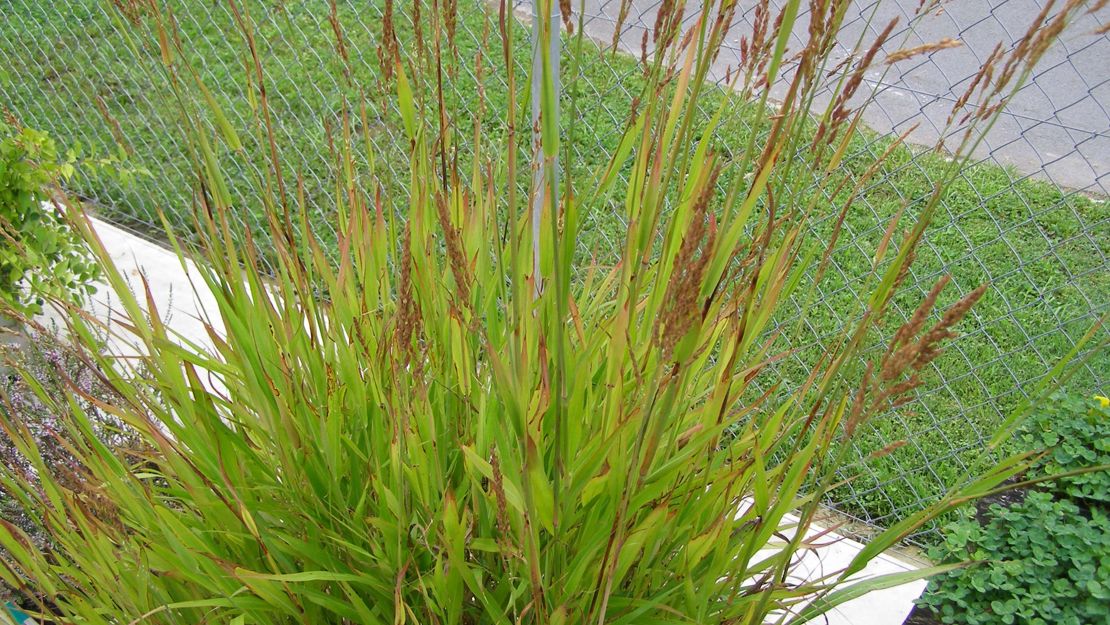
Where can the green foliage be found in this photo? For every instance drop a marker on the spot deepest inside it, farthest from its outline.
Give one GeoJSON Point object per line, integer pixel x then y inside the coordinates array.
{"type": "Point", "coordinates": [54, 369]}
{"type": "Point", "coordinates": [1047, 562]}
{"type": "Point", "coordinates": [1076, 433]}
{"type": "Point", "coordinates": [40, 256]}
{"type": "Point", "coordinates": [456, 419]}
{"type": "Point", "coordinates": [1046, 558]}
{"type": "Point", "coordinates": [990, 220]}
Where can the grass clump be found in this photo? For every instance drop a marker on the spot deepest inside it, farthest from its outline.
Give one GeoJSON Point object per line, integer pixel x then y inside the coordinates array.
{"type": "Point", "coordinates": [1041, 248]}
{"type": "Point", "coordinates": [67, 67]}
{"type": "Point", "coordinates": [453, 419]}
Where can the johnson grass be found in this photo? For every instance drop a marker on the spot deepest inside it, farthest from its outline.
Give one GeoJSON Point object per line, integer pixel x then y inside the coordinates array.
{"type": "Point", "coordinates": [440, 410]}
{"type": "Point", "coordinates": [77, 78]}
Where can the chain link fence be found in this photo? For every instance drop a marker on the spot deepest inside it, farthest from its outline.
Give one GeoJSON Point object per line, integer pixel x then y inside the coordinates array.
{"type": "Point", "coordinates": [1031, 217]}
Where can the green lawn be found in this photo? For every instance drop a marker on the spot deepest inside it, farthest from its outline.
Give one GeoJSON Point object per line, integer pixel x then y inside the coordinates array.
{"type": "Point", "coordinates": [65, 69]}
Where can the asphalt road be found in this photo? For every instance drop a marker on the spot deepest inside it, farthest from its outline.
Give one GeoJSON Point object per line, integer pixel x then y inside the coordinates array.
{"type": "Point", "coordinates": [1057, 127]}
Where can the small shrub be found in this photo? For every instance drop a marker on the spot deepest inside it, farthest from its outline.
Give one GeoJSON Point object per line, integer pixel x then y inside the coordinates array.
{"type": "Point", "coordinates": [40, 256]}
{"type": "Point", "coordinates": [1046, 557]}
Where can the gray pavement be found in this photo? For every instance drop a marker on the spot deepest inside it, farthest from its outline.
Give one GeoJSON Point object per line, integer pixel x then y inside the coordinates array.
{"type": "Point", "coordinates": [1057, 127]}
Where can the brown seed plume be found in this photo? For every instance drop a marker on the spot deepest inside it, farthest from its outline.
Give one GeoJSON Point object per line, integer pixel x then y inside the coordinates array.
{"type": "Point", "coordinates": [498, 485]}
{"type": "Point", "coordinates": [340, 42]}
{"type": "Point", "coordinates": [455, 255]}
{"type": "Point", "coordinates": [388, 48]}
{"type": "Point", "coordinates": [450, 22]}
{"type": "Point", "coordinates": [418, 25]}
{"type": "Point", "coordinates": [909, 352]}
{"type": "Point", "coordinates": [408, 311]}
{"type": "Point", "coordinates": [565, 10]}
{"type": "Point", "coordinates": [622, 15]}
{"type": "Point", "coordinates": [909, 53]}
{"type": "Point", "coordinates": [681, 309]}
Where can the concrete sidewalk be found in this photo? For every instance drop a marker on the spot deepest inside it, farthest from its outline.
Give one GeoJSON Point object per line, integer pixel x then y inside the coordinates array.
{"type": "Point", "coordinates": [1057, 127]}
{"type": "Point", "coordinates": [182, 299]}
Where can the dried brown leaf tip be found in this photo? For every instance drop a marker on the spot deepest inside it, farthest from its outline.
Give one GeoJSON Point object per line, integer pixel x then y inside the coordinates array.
{"type": "Point", "coordinates": [927, 48]}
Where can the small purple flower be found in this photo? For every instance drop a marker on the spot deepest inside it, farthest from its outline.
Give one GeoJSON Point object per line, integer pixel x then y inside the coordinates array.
{"type": "Point", "coordinates": [62, 375]}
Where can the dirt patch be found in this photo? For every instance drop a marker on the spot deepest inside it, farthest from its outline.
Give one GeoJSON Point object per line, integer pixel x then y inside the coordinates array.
{"type": "Point", "coordinates": [921, 616]}
{"type": "Point", "coordinates": [1004, 499]}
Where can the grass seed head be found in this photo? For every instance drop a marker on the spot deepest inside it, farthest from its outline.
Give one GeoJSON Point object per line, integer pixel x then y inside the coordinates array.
{"type": "Point", "coordinates": [927, 48]}
{"type": "Point", "coordinates": [388, 48]}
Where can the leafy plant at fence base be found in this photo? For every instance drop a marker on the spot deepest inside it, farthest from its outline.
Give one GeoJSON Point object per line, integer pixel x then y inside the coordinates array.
{"type": "Point", "coordinates": [1046, 558]}
{"type": "Point", "coordinates": [1076, 432]}
{"type": "Point", "coordinates": [40, 257]}
{"type": "Point", "coordinates": [441, 425]}
{"type": "Point", "coordinates": [1045, 561]}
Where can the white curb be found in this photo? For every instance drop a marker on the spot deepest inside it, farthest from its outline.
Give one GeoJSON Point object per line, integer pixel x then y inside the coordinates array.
{"type": "Point", "coordinates": [183, 304]}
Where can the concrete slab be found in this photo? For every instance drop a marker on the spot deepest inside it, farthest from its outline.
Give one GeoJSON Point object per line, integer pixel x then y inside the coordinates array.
{"type": "Point", "coordinates": [890, 606]}
{"type": "Point", "coordinates": [179, 294]}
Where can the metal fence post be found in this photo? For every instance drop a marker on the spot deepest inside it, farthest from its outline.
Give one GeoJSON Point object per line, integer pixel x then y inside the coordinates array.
{"type": "Point", "coordinates": [540, 172]}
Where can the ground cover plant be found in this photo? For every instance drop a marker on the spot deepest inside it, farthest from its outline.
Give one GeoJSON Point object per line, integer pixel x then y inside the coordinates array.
{"type": "Point", "coordinates": [71, 70]}
{"type": "Point", "coordinates": [1044, 550]}
{"type": "Point", "coordinates": [454, 418]}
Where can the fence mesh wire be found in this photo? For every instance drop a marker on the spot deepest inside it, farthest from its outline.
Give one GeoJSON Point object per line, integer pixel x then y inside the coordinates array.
{"type": "Point", "coordinates": [1031, 218]}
